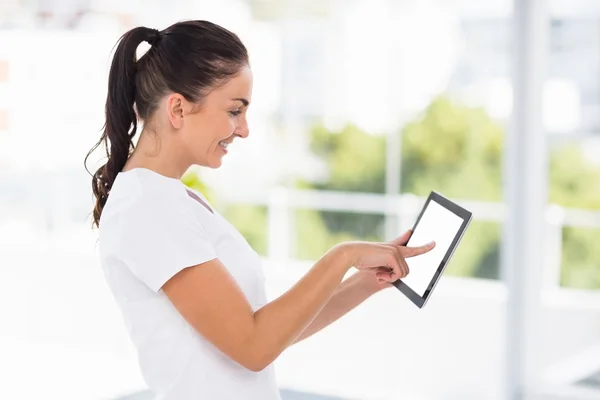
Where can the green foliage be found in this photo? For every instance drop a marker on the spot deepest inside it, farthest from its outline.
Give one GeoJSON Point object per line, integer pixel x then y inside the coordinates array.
{"type": "Point", "coordinates": [580, 258]}
{"type": "Point", "coordinates": [456, 150]}
{"type": "Point", "coordinates": [576, 183]}
{"type": "Point", "coordinates": [347, 154]}
{"type": "Point", "coordinates": [251, 221]}
{"type": "Point", "coordinates": [452, 149]}
{"type": "Point", "coordinates": [318, 231]}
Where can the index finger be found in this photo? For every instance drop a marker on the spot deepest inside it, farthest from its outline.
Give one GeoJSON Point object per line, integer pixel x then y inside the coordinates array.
{"type": "Point", "coordinates": [418, 250]}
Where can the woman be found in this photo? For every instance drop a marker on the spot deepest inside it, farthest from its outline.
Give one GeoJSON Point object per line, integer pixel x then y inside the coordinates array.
{"type": "Point", "coordinates": [190, 288]}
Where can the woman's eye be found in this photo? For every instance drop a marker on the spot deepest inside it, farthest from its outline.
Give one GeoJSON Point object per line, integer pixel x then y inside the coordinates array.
{"type": "Point", "coordinates": [235, 113]}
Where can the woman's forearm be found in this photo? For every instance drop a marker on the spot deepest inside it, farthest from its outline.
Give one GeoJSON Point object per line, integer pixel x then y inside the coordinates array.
{"type": "Point", "coordinates": [279, 323]}
{"type": "Point", "coordinates": [351, 292]}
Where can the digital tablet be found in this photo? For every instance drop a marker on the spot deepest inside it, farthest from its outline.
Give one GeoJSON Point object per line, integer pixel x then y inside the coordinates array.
{"type": "Point", "coordinates": [440, 220]}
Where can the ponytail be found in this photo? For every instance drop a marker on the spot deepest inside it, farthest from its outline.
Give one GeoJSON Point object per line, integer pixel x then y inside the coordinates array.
{"type": "Point", "coordinates": [121, 120]}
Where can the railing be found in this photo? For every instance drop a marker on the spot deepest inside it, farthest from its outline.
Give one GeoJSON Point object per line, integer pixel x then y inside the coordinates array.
{"type": "Point", "coordinates": [400, 210]}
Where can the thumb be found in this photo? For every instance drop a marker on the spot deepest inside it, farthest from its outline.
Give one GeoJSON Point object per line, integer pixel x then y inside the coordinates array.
{"type": "Point", "coordinates": [402, 240]}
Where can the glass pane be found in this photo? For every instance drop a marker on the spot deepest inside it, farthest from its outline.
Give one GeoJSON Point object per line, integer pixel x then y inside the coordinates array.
{"type": "Point", "coordinates": [571, 104]}
{"type": "Point", "coordinates": [478, 255]}
{"type": "Point", "coordinates": [580, 258]}
{"type": "Point", "coordinates": [318, 231]}
{"type": "Point", "coordinates": [251, 221]}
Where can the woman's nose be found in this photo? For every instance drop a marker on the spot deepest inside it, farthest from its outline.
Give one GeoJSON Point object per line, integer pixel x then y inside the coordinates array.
{"type": "Point", "coordinates": [242, 130]}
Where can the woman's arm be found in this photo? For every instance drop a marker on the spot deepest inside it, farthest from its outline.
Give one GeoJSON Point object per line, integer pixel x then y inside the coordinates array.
{"type": "Point", "coordinates": [351, 292]}
{"type": "Point", "coordinates": [208, 297]}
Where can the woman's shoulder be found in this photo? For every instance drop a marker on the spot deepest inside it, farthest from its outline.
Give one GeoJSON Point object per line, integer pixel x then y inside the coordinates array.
{"type": "Point", "coordinates": [143, 193]}
{"type": "Point", "coordinates": [142, 210]}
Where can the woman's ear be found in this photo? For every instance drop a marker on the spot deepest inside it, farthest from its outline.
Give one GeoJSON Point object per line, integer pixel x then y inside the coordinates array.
{"type": "Point", "coordinates": [175, 110]}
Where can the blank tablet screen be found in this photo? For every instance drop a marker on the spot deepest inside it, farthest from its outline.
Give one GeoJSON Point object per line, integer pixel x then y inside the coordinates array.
{"type": "Point", "coordinates": [441, 225]}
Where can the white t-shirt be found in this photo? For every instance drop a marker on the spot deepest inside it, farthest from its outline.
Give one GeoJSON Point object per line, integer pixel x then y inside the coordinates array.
{"type": "Point", "coordinates": [151, 228]}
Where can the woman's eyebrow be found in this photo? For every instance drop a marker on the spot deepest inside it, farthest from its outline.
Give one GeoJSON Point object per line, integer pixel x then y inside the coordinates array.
{"type": "Point", "coordinates": [244, 101]}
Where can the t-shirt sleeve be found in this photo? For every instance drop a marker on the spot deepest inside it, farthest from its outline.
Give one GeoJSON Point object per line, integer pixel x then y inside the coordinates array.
{"type": "Point", "coordinates": [160, 239]}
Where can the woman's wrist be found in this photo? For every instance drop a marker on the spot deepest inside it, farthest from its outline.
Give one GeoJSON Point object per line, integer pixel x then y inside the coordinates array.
{"type": "Point", "coordinates": [345, 254]}
{"type": "Point", "coordinates": [369, 283]}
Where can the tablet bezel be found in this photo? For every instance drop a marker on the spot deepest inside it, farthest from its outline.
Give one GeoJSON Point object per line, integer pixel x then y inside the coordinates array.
{"type": "Point", "coordinates": [466, 217]}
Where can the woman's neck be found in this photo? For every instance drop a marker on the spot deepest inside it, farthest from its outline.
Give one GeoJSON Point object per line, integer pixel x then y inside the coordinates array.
{"type": "Point", "coordinates": [157, 154]}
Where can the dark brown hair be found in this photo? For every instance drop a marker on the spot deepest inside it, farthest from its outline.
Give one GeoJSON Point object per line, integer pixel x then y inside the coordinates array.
{"type": "Point", "coordinates": [190, 58]}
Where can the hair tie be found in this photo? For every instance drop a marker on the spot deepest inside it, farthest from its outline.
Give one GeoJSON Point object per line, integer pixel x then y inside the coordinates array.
{"type": "Point", "coordinates": [153, 37]}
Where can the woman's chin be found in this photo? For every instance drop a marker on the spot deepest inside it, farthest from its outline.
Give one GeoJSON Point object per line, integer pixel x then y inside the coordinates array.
{"type": "Point", "coordinates": [215, 163]}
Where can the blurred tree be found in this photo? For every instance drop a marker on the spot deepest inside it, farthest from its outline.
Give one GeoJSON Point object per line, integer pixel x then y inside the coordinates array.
{"type": "Point", "coordinates": [356, 160]}
{"type": "Point", "coordinates": [574, 180]}
{"type": "Point", "coordinates": [576, 183]}
{"type": "Point", "coordinates": [453, 149]}
{"type": "Point", "coordinates": [251, 221]}
{"type": "Point", "coordinates": [456, 150]}
{"type": "Point", "coordinates": [355, 163]}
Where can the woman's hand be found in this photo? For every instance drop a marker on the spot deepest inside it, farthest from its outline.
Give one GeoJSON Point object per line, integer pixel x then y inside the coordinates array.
{"type": "Point", "coordinates": [379, 264]}
{"type": "Point", "coordinates": [368, 280]}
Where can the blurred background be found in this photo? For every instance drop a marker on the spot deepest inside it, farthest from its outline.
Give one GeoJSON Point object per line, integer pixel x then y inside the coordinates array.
{"type": "Point", "coordinates": [360, 109]}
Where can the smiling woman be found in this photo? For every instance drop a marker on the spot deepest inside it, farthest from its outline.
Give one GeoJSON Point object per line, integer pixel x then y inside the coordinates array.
{"type": "Point", "coordinates": [192, 106]}
{"type": "Point", "coordinates": [190, 288]}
